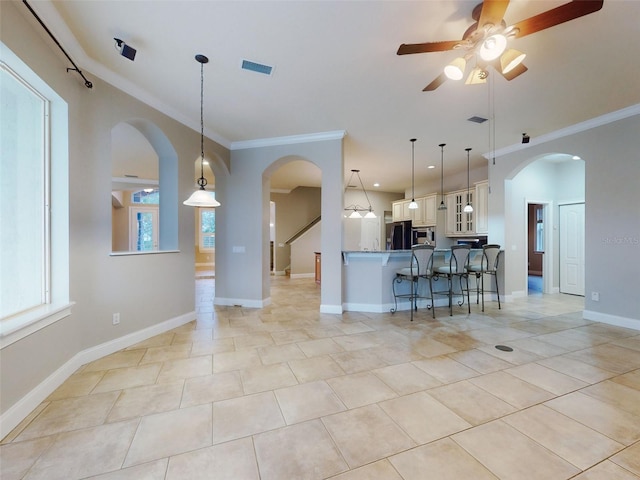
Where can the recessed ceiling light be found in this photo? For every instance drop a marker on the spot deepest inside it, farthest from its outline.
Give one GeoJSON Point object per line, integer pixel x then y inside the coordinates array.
{"type": "Point", "coordinates": [576, 157]}
{"type": "Point", "coordinates": [376, 184]}
{"type": "Point", "coordinates": [431, 166]}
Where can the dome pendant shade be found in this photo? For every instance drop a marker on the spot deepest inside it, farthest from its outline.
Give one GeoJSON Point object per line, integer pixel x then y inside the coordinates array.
{"type": "Point", "coordinates": [202, 198]}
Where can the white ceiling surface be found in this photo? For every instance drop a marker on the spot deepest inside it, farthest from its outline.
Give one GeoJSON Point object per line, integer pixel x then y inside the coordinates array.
{"type": "Point", "coordinates": [336, 69]}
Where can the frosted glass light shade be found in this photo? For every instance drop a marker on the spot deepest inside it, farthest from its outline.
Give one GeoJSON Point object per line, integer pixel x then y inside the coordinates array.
{"type": "Point", "coordinates": [370, 214]}
{"type": "Point", "coordinates": [468, 208]}
{"type": "Point", "coordinates": [202, 198]}
{"type": "Point", "coordinates": [413, 205]}
{"type": "Point", "coordinates": [455, 70]}
{"type": "Point", "coordinates": [511, 59]}
{"type": "Point", "coordinates": [493, 47]}
{"type": "Point", "coordinates": [355, 214]}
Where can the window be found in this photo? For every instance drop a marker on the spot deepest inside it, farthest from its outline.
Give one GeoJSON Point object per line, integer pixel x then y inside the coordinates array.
{"type": "Point", "coordinates": [207, 229]}
{"type": "Point", "coordinates": [151, 195]}
{"type": "Point", "coordinates": [24, 174]}
{"type": "Point", "coordinates": [34, 202]}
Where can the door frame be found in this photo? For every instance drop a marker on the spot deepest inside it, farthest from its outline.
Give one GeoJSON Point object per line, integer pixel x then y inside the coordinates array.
{"type": "Point", "coordinates": [549, 247]}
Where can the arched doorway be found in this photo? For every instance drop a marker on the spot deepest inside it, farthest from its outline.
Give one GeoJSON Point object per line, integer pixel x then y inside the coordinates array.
{"type": "Point", "coordinates": [538, 188]}
{"type": "Point", "coordinates": [295, 226]}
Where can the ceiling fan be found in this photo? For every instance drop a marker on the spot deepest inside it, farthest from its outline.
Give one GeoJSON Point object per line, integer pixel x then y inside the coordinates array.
{"type": "Point", "coordinates": [486, 41]}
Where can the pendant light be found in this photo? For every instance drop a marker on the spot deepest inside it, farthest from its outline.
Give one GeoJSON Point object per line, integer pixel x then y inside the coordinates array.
{"type": "Point", "coordinates": [442, 205]}
{"type": "Point", "coordinates": [357, 209]}
{"type": "Point", "coordinates": [413, 205]}
{"type": "Point", "coordinates": [468, 208]}
{"type": "Point", "coordinates": [202, 197]}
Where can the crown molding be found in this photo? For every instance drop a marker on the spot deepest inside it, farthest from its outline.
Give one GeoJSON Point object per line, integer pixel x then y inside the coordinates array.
{"type": "Point", "coordinates": [565, 132]}
{"type": "Point", "coordinates": [289, 140]}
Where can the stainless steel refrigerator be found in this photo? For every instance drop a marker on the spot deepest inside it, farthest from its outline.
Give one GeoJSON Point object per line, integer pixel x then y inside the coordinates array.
{"type": "Point", "coordinates": [398, 235]}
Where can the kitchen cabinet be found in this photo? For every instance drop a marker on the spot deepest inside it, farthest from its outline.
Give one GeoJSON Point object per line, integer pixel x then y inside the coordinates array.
{"type": "Point", "coordinates": [423, 216]}
{"type": "Point", "coordinates": [460, 224]}
{"type": "Point", "coordinates": [400, 210]}
{"type": "Point", "coordinates": [426, 213]}
{"type": "Point", "coordinates": [481, 208]}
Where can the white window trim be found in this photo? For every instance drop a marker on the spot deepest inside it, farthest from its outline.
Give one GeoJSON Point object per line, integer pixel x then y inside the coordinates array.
{"type": "Point", "coordinates": [201, 234]}
{"type": "Point", "coordinates": [24, 324]}
{"type": "Point", "coordinates": [21, 325]}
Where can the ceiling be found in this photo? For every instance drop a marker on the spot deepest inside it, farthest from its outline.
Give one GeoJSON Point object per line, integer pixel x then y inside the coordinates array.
{"type": "Point", "coordinates": [336, 68]}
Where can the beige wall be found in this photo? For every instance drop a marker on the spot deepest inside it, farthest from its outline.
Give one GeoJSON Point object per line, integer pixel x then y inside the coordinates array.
{"type": "Point", "coordinates": [145, 289]}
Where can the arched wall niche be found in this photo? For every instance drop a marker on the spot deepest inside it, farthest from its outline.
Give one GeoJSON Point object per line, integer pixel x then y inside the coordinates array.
{"type": "Point", "coordinates": [295, 207]}
{"type": "Point", "coordinates": [167, 177]}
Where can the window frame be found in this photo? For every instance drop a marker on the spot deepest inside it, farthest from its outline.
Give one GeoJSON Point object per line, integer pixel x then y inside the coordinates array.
{"type": "Point", "coordinates": [55, 276]}
{"type": "Point", "coordinates": [201, 234]}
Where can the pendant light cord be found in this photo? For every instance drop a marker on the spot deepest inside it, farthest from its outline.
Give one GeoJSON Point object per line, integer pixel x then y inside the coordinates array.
{"type": "Point", "coordinates": [202, 181]}
{"type": "Point", "coordinates": [442, 145]}
{"type": "Point", "coordinates": [413, 151]}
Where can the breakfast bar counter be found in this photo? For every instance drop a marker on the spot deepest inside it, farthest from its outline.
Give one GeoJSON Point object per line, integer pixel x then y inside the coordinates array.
{"type": "Point", "coordinates": [367, 278]}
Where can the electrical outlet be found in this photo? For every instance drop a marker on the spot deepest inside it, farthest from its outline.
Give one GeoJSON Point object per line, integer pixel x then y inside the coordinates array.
{"type": "Point", "coordinates": [595, 296]}
{"type": "Point", "coordinates": [116, 318]}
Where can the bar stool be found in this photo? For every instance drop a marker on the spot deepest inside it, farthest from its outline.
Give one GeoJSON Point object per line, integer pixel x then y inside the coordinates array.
{"type": "Point", "coordinates": [457, 268]}
{"type": "Point", "coordinates": [420, 267]}
{"type": "Point", "coordinates": [488, 266]}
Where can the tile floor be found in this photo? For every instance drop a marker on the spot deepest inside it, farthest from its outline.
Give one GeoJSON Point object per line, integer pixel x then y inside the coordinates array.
{"type": "Point", "coordinates": [287, 393]}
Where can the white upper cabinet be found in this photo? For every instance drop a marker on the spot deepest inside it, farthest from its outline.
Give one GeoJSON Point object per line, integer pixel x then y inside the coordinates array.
{"type": "Point", "coordinates": [423, 216]}
{"type": "Point", "coordinates": [459, 223]}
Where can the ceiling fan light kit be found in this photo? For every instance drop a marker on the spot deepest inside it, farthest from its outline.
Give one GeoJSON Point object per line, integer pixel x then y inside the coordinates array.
{"type": "Point", "coordinates": [455, 70]}
{"type": "Point", "coordinates": [511, 59]}
{"type": "Point", "coordinates": [493, 47]}
{"type": "Point", "coordinates": [488, 40]}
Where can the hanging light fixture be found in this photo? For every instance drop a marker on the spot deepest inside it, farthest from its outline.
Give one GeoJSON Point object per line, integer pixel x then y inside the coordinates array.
{"type": "Point", "coordinates": [202, 197]}
{"type": "Point", "coordinates": [442, 205]}
{"type": "Point", "coordinates": [357, 209]}
{"type": "Point", "coordinates": [413, 205]}
{"type": "Point", "coordinates": [468, 208]}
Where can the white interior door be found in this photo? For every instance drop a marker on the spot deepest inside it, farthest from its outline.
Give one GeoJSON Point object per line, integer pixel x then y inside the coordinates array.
{"type": "Point", "coordinates": [572, 249]}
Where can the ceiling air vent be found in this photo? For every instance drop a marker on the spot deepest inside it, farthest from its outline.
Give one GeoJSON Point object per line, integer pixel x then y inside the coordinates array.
{"type": "Point", "coordinates": [256, 67]}
{"type": "Point", "coordinates": [477, 119]}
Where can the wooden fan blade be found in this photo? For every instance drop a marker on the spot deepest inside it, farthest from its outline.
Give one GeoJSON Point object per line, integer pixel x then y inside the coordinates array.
{"type": "Point", "coordinates": [556, 16]}
{"type": "Point", "coordinates": [439, 80]}
{"type": "Point", "coordinates": [408, 48]}
{"type": "Point", "coordinates": [492, 12]}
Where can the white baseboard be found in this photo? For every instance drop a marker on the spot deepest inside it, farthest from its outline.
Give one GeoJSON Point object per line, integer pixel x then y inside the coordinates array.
{"type": "Point", "coordinates": [242, 302]}
{"type": "Point", "coordinates": [280, 272]}
{"type": "Point", "coordinates": [633, 323]}
{"type": "Point", "coordinates": [23, 407]}
{"type": "Point", "coordinates": [303, 275]}
{"type": "Point", "coordinates": [332, 309]}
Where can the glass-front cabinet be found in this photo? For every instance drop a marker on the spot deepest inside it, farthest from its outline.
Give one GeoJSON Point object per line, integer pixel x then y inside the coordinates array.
{"type": "Point", "coordinates": [459, 223]}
